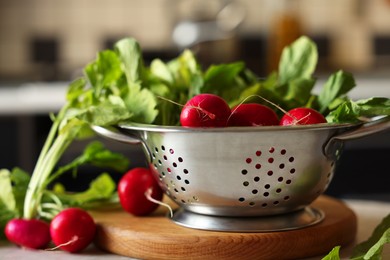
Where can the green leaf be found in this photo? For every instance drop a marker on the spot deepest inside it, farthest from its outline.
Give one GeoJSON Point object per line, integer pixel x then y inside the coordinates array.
{"type": "Point", "coordinates": [94, 154]}
{"type": "Point", "coordinates": [346, 112]}
{"type": "Point", "coordinates": [100, 189]}
{"type": "Point", "coordinates": [6, 194]}
{"type": "Point", "coordinates": [173, 83]}
{"type": "Point", "coordinates": [372, 248]}
{"type": "Point", "coordinates": [298, 60]}
{"type": "Point", "coordinates": [333, 255]}
{"type": "Point", "coordinates": [338, 85]}
{"type": "Point", "coordinates": [109, 111]}
{"type": "Point", "coordinates": [225, 80]}
{"type": "Point", "coordinates": [129, 52]}
{"type": "Point", "coordinates": [351, 111]}
{"type": "Point", "coordinates": [376, 250]}
{"type": "Point", "coordinates": [142, 104]}
{"type": "Point", "coordinates": [13, 186]}
{"type": "Point", "coordinates": [292, 86]}
{"type": "Point", "coordinates": [375, 106]}
{"type": "Point", "coordinates": [104, 71]}
{"type": "Point", "coordinates": [223, 75]}
{"type": "Point", "coordinates": [185, 71]}
{"type": "Point", "coordinates": [159, 69]}
{"type": "Point", "coordinates": [264, 88]}
{"type": "Point", "coordinates": [75, 89]}
{"type": "Point", "coordinates": [5, 216]}
{"type": "Point", "coordinates": [20, 180]}
{"type": "Point", "coordinates": [296, 93]}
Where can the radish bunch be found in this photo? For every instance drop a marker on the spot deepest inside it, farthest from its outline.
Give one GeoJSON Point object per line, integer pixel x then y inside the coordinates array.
{"type": "Point", "coordinates": [71, 230]}
{"type": "Point", "coordinates": [209, 110]}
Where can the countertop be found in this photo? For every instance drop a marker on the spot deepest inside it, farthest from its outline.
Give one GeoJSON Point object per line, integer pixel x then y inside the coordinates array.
{"type": "Point", "coordinates": [369, 214]}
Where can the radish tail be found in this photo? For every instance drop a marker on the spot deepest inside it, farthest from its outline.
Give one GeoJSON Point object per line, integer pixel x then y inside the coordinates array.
{"type": "Point", "coordinates": [74, 239]}
{"type": "Point", "coordinates": [148, 195]}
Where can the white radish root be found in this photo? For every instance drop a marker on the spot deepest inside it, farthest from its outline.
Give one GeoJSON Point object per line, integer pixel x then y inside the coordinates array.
{"type": "Point", "coordinates": [148, 195]}
{"type": "Point", "coordinates": [74, 239]}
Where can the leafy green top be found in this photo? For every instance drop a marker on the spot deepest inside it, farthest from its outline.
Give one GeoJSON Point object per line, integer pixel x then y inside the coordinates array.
{"type": "Point", "coordinates": [123, 89]}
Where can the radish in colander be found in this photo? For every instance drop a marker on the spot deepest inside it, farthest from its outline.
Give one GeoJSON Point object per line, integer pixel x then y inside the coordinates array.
{"type": "Point", "coordinates": [205, 110]}
{"type": "Point", "coordinates": [253, 114]}
{"type": "Point", "coordinates": [302, 116]}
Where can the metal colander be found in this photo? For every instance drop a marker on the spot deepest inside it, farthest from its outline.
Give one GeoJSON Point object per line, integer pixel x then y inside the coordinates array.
{"type": "Point", "coordinates": [243, 171]}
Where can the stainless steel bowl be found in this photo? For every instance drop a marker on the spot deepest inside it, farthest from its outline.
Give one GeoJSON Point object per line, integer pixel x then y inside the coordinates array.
{"type": "Point", "coordinates": [243, 171]}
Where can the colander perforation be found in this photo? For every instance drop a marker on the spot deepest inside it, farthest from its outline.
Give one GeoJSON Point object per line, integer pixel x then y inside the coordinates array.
{"type": "Point", "coordinates": [172, 173]}
{"type": "Point", "coordinates": [267, 175]}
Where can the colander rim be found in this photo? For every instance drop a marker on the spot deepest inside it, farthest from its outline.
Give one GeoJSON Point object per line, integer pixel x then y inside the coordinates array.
{"type": "Point", "coordinates": [162, 128]}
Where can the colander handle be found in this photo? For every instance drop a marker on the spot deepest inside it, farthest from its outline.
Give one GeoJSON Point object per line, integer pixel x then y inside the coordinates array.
{"type": "Point", "coordinates": [115, 134]}
{"type": "Point", "coordinates": [366, 129]}
{"type": "Point", "coordinates": [372, 127]}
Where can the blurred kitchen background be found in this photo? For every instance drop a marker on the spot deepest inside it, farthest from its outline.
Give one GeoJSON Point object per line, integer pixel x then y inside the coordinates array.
{"type": "Point", "coordinates": [44, 44]}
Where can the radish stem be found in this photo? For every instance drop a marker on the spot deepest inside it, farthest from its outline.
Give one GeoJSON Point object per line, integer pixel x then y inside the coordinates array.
{"type": "Point", "coordinates": [55, 145]}
{"type": "Point", "coordinates": [41, 173]}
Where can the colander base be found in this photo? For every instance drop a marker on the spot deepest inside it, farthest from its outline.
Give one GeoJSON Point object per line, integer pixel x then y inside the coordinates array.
{"type": "Point", "coordinates": [295, 220]}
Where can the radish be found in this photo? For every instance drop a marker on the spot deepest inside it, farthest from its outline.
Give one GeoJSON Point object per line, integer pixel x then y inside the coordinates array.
{"type": "Point", "coordinates": [72, 229]}
{"type": "Point", "coordinates": [302, 116]}
{"type": "Point", "coordinates": [133, 190]}
{"type": "Point", "coordinates": [205, 110]}
{"type": "Point", "coordinates": [252, 114]}
{"type": "Point", "coordinates": [29, 233]}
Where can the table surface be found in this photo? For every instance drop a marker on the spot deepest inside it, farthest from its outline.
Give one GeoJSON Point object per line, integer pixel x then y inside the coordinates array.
{"type": "Point", "coordinates": [369, 214]}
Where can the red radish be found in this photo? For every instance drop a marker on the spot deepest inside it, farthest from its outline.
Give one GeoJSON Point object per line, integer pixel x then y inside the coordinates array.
{"type": "Point", "coordinates": [30, 233]}
{"type": "Point", "coordinates": [302, 116]}
{"type": "Point", "coordinates": [252, 114]}
{"type": "Point", "coordinates": [132, 190]}
{"type": "Point", "coordinates": [205, 110]}
{"type": "Point", "coordinates": [72, 229]}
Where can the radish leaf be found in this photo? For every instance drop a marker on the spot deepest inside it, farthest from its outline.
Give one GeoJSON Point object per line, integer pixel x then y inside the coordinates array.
{"type": "Point", "coordinates": [353, 111]}
{"type": "Point", "coordinates": [129, 52]}
{"type": "Point", "coordinates": [338, 85]}
{"type": "Point", "coordinates": [6, 195]}
{"type": "Point", "coordinates": [176, 80]}
{"type": "Point", "coordinates": [108, 112]}
{"type": "Point", "coordinates": [100, 191]}
{"type": "Point", "coordinates": [160, 70]}
{"type": "Point", "coordinates": [227, 80]}
{"type": "Point", "coordinates": [298, 60]}
{"type": "Point", "coordinates": [5, 216]}
{"type": "Point", "coordinates": [372, 248]}
{"type": "Point", "coordinates": [140, 98]}
{"type": "Point", "coordinates": [94, 154]}
{"type": "Point", "coordinates": [13, 186]}
{"type": "Point", "coordinates": [105, 71]}
{"type": "Point", "coordinates": [333, 255]}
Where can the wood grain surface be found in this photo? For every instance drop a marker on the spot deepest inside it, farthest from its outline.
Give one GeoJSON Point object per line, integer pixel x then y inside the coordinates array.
{"type": "Point", "coordinates": [157, 237]}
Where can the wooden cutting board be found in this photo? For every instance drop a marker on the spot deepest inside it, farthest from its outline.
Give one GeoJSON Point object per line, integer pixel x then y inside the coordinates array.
{"type": "Point", "coordinates": [157, 237]}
